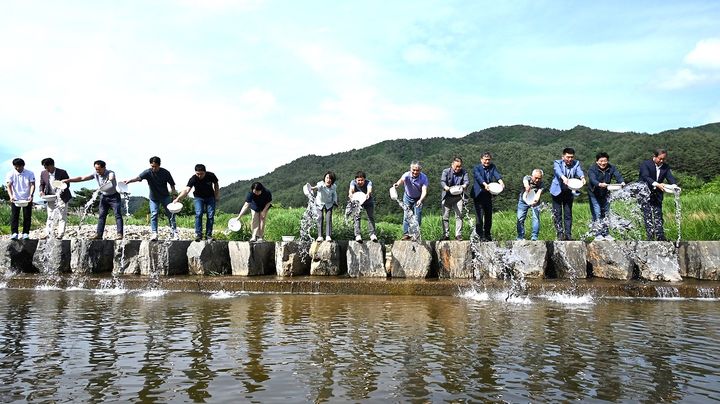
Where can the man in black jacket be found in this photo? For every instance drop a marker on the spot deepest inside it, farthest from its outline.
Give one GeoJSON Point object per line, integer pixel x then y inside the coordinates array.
{"type": "Point", "coordinates": [654, 172]}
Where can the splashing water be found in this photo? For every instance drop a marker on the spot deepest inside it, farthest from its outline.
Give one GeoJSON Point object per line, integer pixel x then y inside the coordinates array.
{"type": "Point", "coordinates": [88, 208]}
{"type": "Point", "coordinates": [307, 222]}
{"type": "Point", "coordinates": [352, 211]}
{"type": "Point", "coordinates": [413, 226]}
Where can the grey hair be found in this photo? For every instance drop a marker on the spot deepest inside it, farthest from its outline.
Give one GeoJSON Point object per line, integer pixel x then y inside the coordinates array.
{"type": "Point", "coordinates": [416, 163]}
{"type": "Point", "coordinates": [538, 170]}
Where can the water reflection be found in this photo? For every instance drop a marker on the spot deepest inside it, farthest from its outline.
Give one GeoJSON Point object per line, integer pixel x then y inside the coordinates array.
{"type": "Point", "coordinates": [81, 346]}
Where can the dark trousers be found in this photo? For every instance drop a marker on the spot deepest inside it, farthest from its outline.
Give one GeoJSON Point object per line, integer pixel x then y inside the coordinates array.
{"type": "Point", "coordinates": [483, 214]}
{"type": "Point", "coordinates": [653, 217]}
{"type": "Point", "coordinates": [108, 202]}
{"type": "Point", "coordinates": [562, 214]}
{"type": "Point", "coordinates": [15, 218]}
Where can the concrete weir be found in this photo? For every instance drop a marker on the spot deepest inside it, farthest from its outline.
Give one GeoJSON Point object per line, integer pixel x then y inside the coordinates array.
{"type": "Point", "coordinates": [622, 268]}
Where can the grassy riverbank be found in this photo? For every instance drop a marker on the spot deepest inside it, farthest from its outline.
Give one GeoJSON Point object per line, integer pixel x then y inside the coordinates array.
{"type": "Point", "coordinates": [699, 213]}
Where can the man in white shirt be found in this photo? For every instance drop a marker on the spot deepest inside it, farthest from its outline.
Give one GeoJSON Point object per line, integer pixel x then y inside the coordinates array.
{"type": "Point", "coordinates": [21, 187]}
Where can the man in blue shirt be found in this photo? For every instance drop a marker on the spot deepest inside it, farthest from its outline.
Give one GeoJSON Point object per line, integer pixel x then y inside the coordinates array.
{"type": "Point", "coordinates": [415, 183]}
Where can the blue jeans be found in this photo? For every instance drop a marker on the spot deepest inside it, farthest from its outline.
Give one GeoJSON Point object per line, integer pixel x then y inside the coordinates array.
{"type": "Point", "coordinates": [522, 210]}
{"type": "Point", "coordinates": [108, 202]}
{"type": "Point", "coordinates": [417, 210]}
{"type": "Point", "coordinates": [202, 205]}
{"type": "Point", "coordinates": [155, 209]}
{"type": "Point", "coordinates": [599, 206]}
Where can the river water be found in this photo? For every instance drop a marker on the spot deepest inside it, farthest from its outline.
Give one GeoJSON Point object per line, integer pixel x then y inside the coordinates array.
{"type": "Point", "coordinates": [85, 346]}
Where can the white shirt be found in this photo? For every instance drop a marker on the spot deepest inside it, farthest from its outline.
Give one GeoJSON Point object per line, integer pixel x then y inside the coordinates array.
{"type": "Point", "coordinates": [20, 183]}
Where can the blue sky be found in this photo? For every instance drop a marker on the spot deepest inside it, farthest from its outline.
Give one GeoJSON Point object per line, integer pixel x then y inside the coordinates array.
{"type": "Point", "coordinates": [245, 86]}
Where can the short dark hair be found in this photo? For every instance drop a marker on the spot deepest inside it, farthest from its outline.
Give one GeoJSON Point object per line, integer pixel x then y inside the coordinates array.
{"type": "Point", "coordinates": [601, 155]}
{"type": "Point", "coordinates": [486, 154]}
{"type": "Point", "coordinates": [155, 159]}
{"type": "Point", "coordinates": [99, 163]}
{"type": "Point", "coordinates": [256, 186]}
{"type": "Point", "coordinates": [659, 151]}
{"type": "Point", "coordinates": [569, 150]}
{"type": "Point", "coordinates": [360, 174]}
{"type": "Point", "coordinates": [47, 162]}
{"type": "Point", "coordinates": [18, 162]}
{"type": "Point", "coordinates": [200, 167]}
{"type": "Point", "coordinates": [458, 159]}
{"type": "Point", "coordinates": [332, 176]}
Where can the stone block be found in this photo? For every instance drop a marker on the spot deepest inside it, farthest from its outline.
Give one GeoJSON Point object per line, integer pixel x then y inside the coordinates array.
{"type": "Point", "coordinates": [489, 259]}
{"type": "Point", "coordinates": [612, 259]}
{"type": "Point", "coordinates": [569, 259]}
{"type": "Point", "coordinates": [171, 257]}
{"type": "Point", "coordinates": [127, 259]}
{"type": "Point", "coordinates": [700, 260]}
{"type": "Point", "coordinates": [17, 255]}
{"type": "Point", "coordinates": [91, 256]}
{"type": "Point", "coordinates": [366, 259]}
{"type": "Point", "coordinates": [411, 259]}
{"type": "Point", "coordinates": [248, 259]}
{"type": "Point", "coordinates": [529, 258]}
{"type": "Point", "coordinates": [454, 259]}
{"type": "Point", "coordinates": [291, 259]}
{"type": "Point", "coordinates": [52, 256]}
{"type": "Point", "coordinates": [658, 261]}
{"type": "Point", "coordinates": [208, 258]}
{"type": "Point", "coordinates": [325, 258]}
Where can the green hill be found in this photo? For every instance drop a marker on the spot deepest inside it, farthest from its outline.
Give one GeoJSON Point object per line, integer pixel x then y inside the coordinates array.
{"type": "Point", "coordinates": [694, 155]}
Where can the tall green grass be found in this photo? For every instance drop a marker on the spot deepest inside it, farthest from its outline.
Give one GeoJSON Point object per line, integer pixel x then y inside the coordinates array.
{"type": "Point", "coordinates": [700, 221]}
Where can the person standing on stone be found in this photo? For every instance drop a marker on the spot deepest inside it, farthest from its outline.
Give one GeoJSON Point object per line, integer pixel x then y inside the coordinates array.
{"type": "Point", "coordinates": [158, 180]}
{"type": "Point", "coordinates": [416, 184]}
{"type": "Point", "coordinates": [483, 174]}
{"type": "Point", "coordinates": [20, 187]}
{"type": "Point", "coordinates": [57, 209]}
{"type": "Point", "coordinates": [109, 197]}
{"type": "Point", "coordinates": [364, 185]}
{"type": "Point", "coordinates": [599, 176]}
{"type": "Point", "coordinates": [257, 201]}
{"type": "Point", "coordinates": [325, 200]}
{"type": "Point", "coordinates": [453, 176]}
{"type": "Point", "coordinates": [532, 182]}
{"type": "Point", "coordinates": [206, 194]}
{"type": "Point", "coordinates": [654, 173]}
{"type": "Point", "coordinates": [562, 196]}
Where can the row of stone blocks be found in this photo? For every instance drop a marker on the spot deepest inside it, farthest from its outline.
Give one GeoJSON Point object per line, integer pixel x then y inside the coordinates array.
{"type": "Point", "coordinates": [654, 261]}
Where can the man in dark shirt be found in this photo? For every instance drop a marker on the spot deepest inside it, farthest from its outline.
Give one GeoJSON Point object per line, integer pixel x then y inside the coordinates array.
{"type": "Point", "coordinates": [158, 180]}
{"type": "Point", "coordinates": [206, 195]}
{"type": "Point", "coordinates": [654, 172]}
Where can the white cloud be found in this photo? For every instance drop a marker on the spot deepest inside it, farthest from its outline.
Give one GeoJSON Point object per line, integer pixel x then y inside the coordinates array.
{"type": "Point", "coordinates": [705, 55]}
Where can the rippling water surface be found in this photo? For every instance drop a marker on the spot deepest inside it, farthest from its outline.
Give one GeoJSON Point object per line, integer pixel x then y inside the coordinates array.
{"type": "Point", "coordinates": [83, 346]}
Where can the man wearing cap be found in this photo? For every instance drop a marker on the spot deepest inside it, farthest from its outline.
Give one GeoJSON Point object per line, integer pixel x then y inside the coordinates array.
{"type": "Point", "coordinates": [534, 183]}
{"type": "Point", "coordinates": [57, 208]}
{"type": "Point", "coordinates": [158, 180]}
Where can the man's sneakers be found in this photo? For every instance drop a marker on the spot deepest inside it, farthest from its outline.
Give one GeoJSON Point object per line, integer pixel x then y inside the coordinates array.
{"type": "Point", "coordinates": [25, 236]}
{"type": "Point", "coordinates": [153, 236]}
{"type": "Point", "coordinates": [319, 239]}
{"type": "Point", "coordinates": [373, 238]}
{"type": "Point", "coordinates": [328, 238]}
{"type": "Point", "coordinates": [198, 238]}
{"type": "Point", "coordinates": [14, 236]}
{"type": "Point", "coordinates": [358, 238]}
{"type": "Point", "coordinates": [96, 237]}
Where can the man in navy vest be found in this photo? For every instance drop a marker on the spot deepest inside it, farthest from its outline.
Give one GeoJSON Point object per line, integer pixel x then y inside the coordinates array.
{"type": "Point", "coordinates": [654, 172]}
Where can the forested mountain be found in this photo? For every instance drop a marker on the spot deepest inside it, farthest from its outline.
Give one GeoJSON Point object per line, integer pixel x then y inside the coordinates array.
{"type": "Point", "coordinates": [694, 155]}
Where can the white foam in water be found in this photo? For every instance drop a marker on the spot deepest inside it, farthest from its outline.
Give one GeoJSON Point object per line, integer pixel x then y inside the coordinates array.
{"type": "Point", "coordinates": [110, 292]}
{"type": "Point", "coordinates": [225, 295]}
{"type": "Point", "coordinates": [512, 298]}
{"type": "Point", "coordinates": [47, 287]}
{"type": "Point", "coordinates": [569, 299]}
{"type": "Point", "coordinates": [3, 285]}
{"type": "Point", "coordinates": [473, 294]}
{"type": "Point", "coordinates": [153, 293]}
{"type": "Point", "coordinates": [75, 288]}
